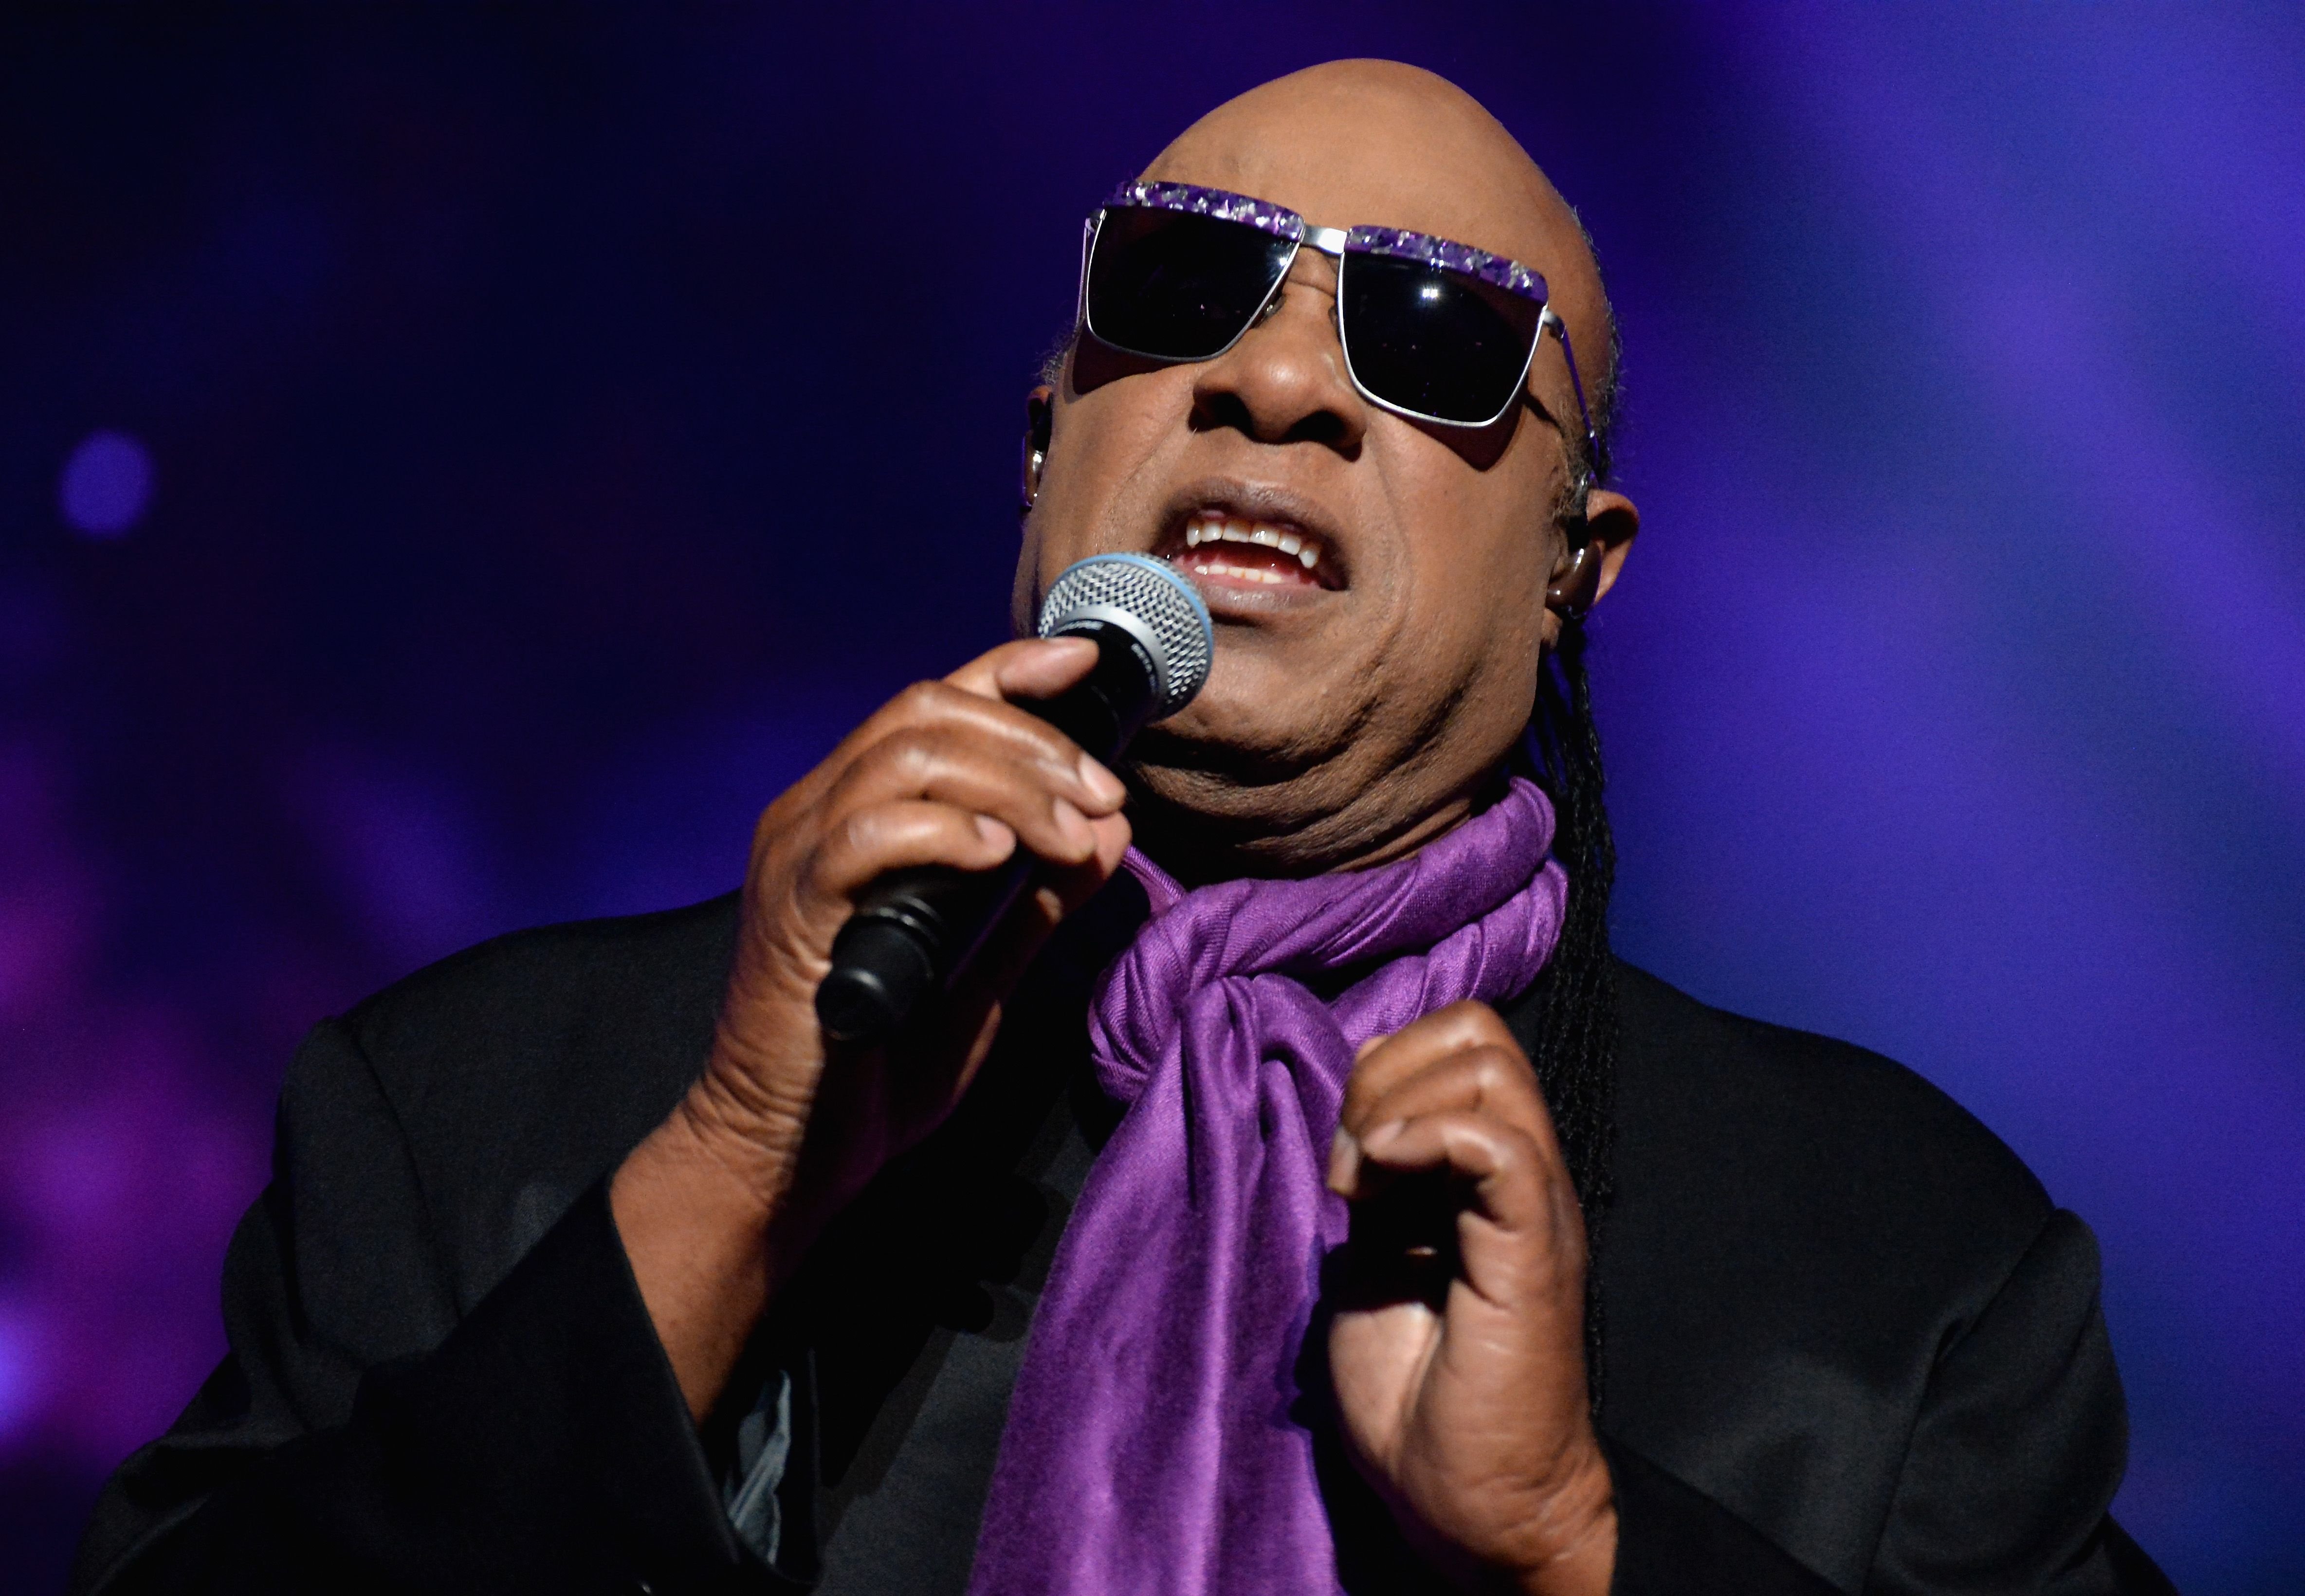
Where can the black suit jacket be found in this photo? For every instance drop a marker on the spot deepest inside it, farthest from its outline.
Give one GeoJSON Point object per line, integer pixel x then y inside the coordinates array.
{"type": "Point", "coordinates": [1851, 1343]}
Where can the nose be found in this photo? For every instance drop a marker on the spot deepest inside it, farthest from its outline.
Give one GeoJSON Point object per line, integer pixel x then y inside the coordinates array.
{"type": "Point", "coordinates": [1285, 381]}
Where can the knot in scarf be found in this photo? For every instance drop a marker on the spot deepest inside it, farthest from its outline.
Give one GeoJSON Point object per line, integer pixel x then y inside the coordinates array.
{"type": "Point", "coordinates": [1151, 1445]}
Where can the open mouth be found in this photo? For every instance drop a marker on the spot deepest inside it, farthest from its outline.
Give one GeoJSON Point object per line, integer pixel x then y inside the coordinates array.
{"type": "Point", "coordinates": [1243, 554]}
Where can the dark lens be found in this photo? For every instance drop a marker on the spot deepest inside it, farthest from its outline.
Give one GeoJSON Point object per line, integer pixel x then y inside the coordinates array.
{"type": "Point", "coordinates": [1432, 341]}
{"type": "Point", "coordinates": [1177, 286]}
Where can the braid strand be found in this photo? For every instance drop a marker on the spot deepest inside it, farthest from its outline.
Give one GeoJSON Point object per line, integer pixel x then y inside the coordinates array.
{"type": "Point", "coordinates": [1575, 1062]}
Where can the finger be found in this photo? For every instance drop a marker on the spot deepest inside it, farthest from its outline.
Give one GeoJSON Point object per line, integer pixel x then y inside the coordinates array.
{"type": "Point", "coordinates": [1076, 884]}
{"type": "Point", "coordinates": [1042, 803]}
{"type": "Point", "coordinates": [1031, 667]}
{"type": "Point", "coordinates": [941, 703]}
{"type": "Point", "coordinates": [1469, 1197]}
{"type": "Point", "coordinates": [986, 720]}
{"type": "Point", "coordinates": [1036, 665]}
{"type": "Point", "coordinates": [1508, 1179]}
{"type": "Point", "coordinates": [1480, 1079]}
{"type": "Point", "coordinates": [1383, 1062]}
{"type": "Point", "coordinates": [870, 841]}
{"type": "Point", "coordinates": [1041, 668]}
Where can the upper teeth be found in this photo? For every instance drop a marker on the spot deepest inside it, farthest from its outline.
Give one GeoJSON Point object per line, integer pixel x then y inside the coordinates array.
{"type": "Point", "coordinates": [1233, 529]}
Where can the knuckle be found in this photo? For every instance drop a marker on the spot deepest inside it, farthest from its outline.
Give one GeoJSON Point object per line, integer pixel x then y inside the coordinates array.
{"type": "Point", "coordinates": [1489, 1077]}
{"type": "Point", "coordinates": [921, 700]}
{"type": "Point", "coordinates": [811, 878]}
{"type": "Point", "coordinates": [859, 831]}
{"type": "Point", "coordinates": [1501, 1072]}
{"type": "Point", "coordinates": [908, 743]}
{"type": "Point", "coordinates": [1508, 1150]}
{"type": "Point", "coordinates": [849, 846]}
{"type": "Point", "coordinates": [911, 757]}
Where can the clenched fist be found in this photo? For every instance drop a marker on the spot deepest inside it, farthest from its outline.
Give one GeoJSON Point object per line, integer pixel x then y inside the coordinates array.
{"type": "Point", "coordinates": [781, 1131]}
{"type": "Point", "coordinates": [1458, 1354]}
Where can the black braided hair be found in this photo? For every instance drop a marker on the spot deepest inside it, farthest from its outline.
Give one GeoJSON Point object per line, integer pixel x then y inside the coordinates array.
{"type": "Point", "coordinates": [1576, 1061]}
{"type": "Point", "coordinates": [1576, 1058]}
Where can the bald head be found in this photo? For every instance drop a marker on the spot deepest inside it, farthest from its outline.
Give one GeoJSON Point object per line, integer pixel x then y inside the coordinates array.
{"type": "Point", "coordinates": [1380, 141]}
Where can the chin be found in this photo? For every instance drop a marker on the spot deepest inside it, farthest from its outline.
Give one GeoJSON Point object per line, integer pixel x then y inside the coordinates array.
{"type": "Point", "coordinates": [1265, 704]}
{"type": "Point", "coordinates": [1209, 809]}
{"type": "Point", "coordinates": [1239, 740]}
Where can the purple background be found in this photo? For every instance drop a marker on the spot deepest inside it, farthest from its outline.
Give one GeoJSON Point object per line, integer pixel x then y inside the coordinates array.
{"type": "Point", "coordinates": [532, 439]}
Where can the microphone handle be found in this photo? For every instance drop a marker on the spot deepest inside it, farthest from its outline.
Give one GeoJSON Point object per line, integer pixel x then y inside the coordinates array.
{"type": "Point", "coordinates": [915, 930]}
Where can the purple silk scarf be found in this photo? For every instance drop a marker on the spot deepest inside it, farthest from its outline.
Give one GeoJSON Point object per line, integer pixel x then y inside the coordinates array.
{"type": "Point", "coordinates": [1149, 1446]}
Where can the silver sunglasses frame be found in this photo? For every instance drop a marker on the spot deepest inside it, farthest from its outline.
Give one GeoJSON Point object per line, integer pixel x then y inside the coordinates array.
{"type": "Point", "coordinates": [1337, 243]}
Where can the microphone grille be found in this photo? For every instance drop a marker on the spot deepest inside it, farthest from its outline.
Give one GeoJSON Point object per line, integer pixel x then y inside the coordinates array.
{"type": "Point", "coordinates": [1168, 613]}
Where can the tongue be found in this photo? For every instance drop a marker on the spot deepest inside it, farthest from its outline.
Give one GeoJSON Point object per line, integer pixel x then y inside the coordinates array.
{"type": "Point", "coordinates": [1246, 565]}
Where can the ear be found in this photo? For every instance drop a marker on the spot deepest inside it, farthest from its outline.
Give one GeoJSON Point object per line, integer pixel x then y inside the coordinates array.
{"type": "Point", "coordinates": [1040, 424]}
{"type": "Point", "coordinates": [1588, 569]}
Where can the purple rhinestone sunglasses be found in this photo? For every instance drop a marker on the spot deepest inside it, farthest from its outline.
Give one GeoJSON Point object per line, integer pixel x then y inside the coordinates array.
{"type": "Point", "coordinates": [1430, 329]}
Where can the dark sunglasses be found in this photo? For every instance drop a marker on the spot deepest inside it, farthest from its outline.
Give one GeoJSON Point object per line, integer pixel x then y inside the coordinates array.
{"type": "Point", "coordinates": [1430, 329]}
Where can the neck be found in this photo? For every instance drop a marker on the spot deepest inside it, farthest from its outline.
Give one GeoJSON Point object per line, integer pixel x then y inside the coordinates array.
{"type": "Point", "coordinates": [1197, 846]}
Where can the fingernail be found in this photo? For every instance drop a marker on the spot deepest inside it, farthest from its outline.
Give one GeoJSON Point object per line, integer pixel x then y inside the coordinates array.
{"type": "Point", "coordinates": [1073, 823]}
{"type": "Point", "coordinates": [989, 830]}
{"type": "Point", "coordinates": [1344, 1162]}
{"type": "Point", "coordinates": [1102, 784]}
{"type": "Point", "coordinates": [1384, 1135]}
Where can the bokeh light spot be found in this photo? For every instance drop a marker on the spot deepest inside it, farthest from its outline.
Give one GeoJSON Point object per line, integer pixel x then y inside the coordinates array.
{"type": "Point", "coordinates": [107, 482]}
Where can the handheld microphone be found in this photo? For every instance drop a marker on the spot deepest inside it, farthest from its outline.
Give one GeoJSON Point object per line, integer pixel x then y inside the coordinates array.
{"type": "Point", "coordinates": [914, 931]}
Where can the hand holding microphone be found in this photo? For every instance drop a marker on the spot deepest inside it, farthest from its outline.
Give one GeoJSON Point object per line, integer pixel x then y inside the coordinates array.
{"type": "Point", "coordinates": [916, 930]}
{"type": "Point", "coordinates": [921, 864]}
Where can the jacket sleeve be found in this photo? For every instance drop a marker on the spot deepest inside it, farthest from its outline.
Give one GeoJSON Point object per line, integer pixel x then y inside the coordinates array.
{"type": "Point", "coordinates": [361, 1435]}
{"type": "Point", "coordinates": [2021, 1442]}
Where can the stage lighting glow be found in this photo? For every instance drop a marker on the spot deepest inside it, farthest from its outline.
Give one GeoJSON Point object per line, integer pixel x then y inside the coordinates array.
{"type": "Point", "coordinates": [17, 1382]}
{"type": "Point", "coordinates": [106, 484]}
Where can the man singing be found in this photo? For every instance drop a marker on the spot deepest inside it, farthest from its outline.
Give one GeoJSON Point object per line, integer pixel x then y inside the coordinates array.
{"type": "Point", "coordinates": [1296, 1197]}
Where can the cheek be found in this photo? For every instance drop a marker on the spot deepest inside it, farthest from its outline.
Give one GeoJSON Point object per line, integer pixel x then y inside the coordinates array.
{"type": "Point", "coordinates": [1103, 449]}
{"type": "Point", "coordinates": [1478, 547]}
{"type": "Point", "coordinates": [1108, 447]}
